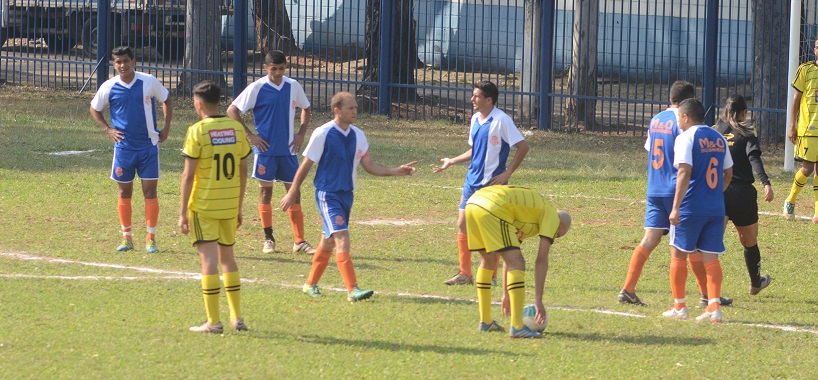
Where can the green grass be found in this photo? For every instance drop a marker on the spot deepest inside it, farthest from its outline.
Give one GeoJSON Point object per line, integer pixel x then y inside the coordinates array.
{"type": "Point", "coordinates": [69, 319]}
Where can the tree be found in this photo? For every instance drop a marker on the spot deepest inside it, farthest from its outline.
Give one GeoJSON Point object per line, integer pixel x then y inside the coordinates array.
{"type": "Point", "coordinates": [582, 78]}
{"type": "Point", "coordinates": [273, 28]}
{"type": "Point", "coordinates": [202, 45]}
{"type": "Point", "coordinates": [771, 20]}
{"type": "Point", "coordinates": [404, 51]}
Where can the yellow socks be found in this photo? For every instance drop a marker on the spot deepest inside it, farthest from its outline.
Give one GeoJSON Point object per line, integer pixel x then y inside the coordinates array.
{"type": "Point", "coordinates": [210, 291]}
{"type": "Point", "coordinates": [483, 284]}
{"type": "Point", "coordinates": [797, 185]}
{"type": "Point", "coordinates": [232, 287]}
{"type": "Point", "coordinates": [516, 296]}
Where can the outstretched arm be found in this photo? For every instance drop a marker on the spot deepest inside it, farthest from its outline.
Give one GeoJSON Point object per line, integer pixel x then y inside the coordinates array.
{"type": "Point", "coordinates": [446, 161]}
{"type": "Point", "coordinates": [377, 169]}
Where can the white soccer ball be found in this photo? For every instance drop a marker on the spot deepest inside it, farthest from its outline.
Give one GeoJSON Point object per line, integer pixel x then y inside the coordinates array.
{"type": "Point", "coordinates": [529, 318]}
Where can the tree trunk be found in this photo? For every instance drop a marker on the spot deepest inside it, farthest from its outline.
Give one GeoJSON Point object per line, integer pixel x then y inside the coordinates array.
{"type": "Point", "coordinates": [770, 51]}
{"type": "Point", "coordinates": [582, 78]}
{"type": "Point", "coordinates": [404, 52]}
{"type": "Point", "coordinates": [530, 73]}
{"type": "Point", "coordinates": [273, 28]}
{"type": "Point", "coordinates": [202, 44]}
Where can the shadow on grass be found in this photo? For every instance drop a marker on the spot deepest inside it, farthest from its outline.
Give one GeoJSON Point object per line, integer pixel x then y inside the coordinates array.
{"type": "Point", "coordinates": [387, 345]}
{"type": "Point", "coordinates": [650, 340]}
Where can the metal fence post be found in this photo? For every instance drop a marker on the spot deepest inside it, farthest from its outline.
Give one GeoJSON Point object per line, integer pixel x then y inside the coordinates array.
{"type": "Point", "coordinates": [711, 35]}
{"type": "Point", "coordinates": [385, 58]}
{"type": "Point", "coordinates": [546, 63]}
{"type": "Point", "coordinates": [239, 46]}
{"type": "Point", "coordinates": [103, 21]}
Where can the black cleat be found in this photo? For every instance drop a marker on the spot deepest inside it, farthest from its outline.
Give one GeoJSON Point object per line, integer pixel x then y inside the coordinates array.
{"type": "Point", "coordinates": [630, 298]}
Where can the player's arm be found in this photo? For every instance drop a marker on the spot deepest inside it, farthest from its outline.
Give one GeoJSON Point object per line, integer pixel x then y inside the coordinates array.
{"type": "Point", "coordinates": [188, 174]}
{"type": "Point", "coordinates": [298, 138]}
{"type": "Point", "coordinates": [521, 150]}
{"type": "Point", "coordinates": [295, 189]}
{"type": "Point", "coordinates": [540, 273]}
{"type": "Point", "coordinates": [377, 169]}
{"type": "Point", "coordinates": [255, 140]}
{"type": "Point", "coordinates": [682, 183]}
{"type": "Point", "coordinates": [446, 161]}
{"type": "Point", "coordinates": [167, 110]}
{"type": "Point", "coordinates": [728, 176]}
{"type": "Point", "coordinates": [792, 131]}
{"type": "Point", "coordinates": [243, 180]}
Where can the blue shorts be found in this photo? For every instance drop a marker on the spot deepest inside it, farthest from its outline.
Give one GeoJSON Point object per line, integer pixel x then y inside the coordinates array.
{"type": "Point", "coordinates": [703, 233]}
{"type": "Point", "coordinates": [657, 212]}
{"type": "Point", "coordinates": [275, 168]}
{"type": "Point", "coordinates": [130, 163]}
{"type": "Point", "coordinates": [334, 208]}
{"type": "Point", "coordinates": [467, 192]}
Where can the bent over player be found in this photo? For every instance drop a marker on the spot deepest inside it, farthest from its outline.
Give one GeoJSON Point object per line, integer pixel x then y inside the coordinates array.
{"type": "Point", "coordinates": [212, 192]}
{"type": "Point", "coordinates": [131, 96]}
{"type": "Point", "coordinates": [498, 219]}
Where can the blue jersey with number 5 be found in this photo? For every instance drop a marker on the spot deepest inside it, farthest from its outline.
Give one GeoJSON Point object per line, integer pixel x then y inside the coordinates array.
{"type": "Point", "coordinates": [661, 137]}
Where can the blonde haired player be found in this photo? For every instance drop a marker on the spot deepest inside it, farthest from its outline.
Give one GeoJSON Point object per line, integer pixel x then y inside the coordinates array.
{"type": "Point", "coordinates": [498, 218]}
{"type": "Point", "coordinates": [213, 185]}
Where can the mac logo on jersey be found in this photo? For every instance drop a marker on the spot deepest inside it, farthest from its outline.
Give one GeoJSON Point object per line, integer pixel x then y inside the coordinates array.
{"type": "Point", "coordinates": [222, 136]}
{"type": "Point", "coordinates": [494, 140]}
{"type": "Point", "coordinates": [711, 146]}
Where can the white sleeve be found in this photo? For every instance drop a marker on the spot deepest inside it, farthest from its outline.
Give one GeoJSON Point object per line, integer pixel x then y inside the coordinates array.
{"type": "Point", "coordinates": [683, 149]}
{"type": "Point", "coordinates": [300, 97]}
{"type": "Point", "coordinates": [315, 148]}
{"type": "Point", "coordinates": [509, 131]}
{"type": "Point", "coordinates": [247, 99]}
{"type": "Point", "coordinates": [157, 90]}
{"type": "Point", "coordinates": [100, 100]}
{"type": "Point", "coordinates": [647, 143]}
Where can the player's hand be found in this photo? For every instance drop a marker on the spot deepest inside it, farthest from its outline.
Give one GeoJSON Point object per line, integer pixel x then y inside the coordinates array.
{"type": "Point", "coordinates": [240, 220]}
{"type": "Point", "coordinates": [258, 142]}
{"type": "Point", "coordinates": [768, 193]}
{"type": "Point", "coordinates": [541, 313]}
{"type": "Point", "coordinates": [163, 134]}
{"type": "Point", "coordinates": [505, 305]}
{"type": "Point", "coordinates": [445, 163]}
{"type": "Point", "coordinates": [791, 133]}
{"type": "Point", "coordinates": [407, 169]}
{"type": "Point", "coordinates": [114, 134]}
{"type": "Point", "coordinates": [184, 226]}
{"type": "Point", "coordinates": [298, 142]}
{"type": "Point", "coordinates": [501, 178]}
{"type": "Point", "coordinates": [674, 217]}
{"type": "Point", "coordinates": [289, 199]}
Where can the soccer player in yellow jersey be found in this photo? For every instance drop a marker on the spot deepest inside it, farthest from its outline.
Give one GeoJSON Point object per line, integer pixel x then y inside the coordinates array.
{"type": "Point", "coordinates": [498, 218]}
{"type": "Point", "coordinates": [213, 185]}
{"type": "Point", "coordinates": [803, 131]}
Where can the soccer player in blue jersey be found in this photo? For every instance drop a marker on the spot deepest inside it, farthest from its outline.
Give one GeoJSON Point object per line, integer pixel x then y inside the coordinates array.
{"type": "Point", "coordinates": [705, 169]}
{"type": "Point", "coordinates": [212, 193]}
{"type": "Point", "coordinates": [491, 138]}
{"type": "Point", "coordinates": [338, 147]}
{"type": "Point", "coordinates": [274, 99]}
{"type": "Point", "coordinates": [131, 96]}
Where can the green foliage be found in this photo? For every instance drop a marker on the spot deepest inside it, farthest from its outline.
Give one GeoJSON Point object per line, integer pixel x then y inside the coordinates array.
{"type": "Point", "coordinates": [70, 319]}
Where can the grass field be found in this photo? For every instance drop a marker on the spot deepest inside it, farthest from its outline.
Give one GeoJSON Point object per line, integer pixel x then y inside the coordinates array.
{"type": "Point", "coordinates": [74, 308]}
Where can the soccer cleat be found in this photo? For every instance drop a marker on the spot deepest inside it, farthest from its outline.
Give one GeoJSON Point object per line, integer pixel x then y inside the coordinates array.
{"type": "Point", "coordinates": [303, 247]}
{"type": "Point", "coordinates": [358, 294]}
{"type": "Point", "coordinates": [459, 279]}
{"type": "Point", "coordinates": [710, 316]}
{"type": "Point", "coordinates": [311, 290]}
{"type": "Point", "coordinates": [208, 328]}
{"type": "Point", "coordinates": [238, 325]}
{"type": "Point", "coordinates": [723, 301]}
{"type": "Point", "coordinates": [676, 314]}
{"type": "Point", "coordinates": [490, 327]}
{"type": "Point", "coordinates": [765, 282]}
{"type": "Point", "coordinates": [126, 245]}
{"type": "Point", "coordinates": [150, 246]}
{"type": "Point", "coordinates": [789, 210]}
{"type": "Point", "coordinates": [524, 332]}
{"type": "Point", "coordinates": [630, 298]}
{"type": "Point", "coordinates": [269, 246]}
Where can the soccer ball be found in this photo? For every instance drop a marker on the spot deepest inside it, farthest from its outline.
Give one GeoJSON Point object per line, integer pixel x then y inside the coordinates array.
{"type": "Point", "coordinates": [529, 318]}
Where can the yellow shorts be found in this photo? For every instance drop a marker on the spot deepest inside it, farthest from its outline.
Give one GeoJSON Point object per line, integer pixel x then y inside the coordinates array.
{"type": "Point", "coordinates": [806, 148]}
{"type": "Point", "coordinates": [486, 231]}
{"type": "Point", "coordinates": [204, 229]}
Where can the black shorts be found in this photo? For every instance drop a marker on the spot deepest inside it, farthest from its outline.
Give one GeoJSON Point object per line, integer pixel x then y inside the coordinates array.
{"type": "Point", "coordinates": [741, 204]}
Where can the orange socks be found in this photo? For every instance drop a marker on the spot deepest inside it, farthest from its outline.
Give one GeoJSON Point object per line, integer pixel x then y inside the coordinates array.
{"type": "Point", "coordinates": [320, 260]}
{"type": "Point", "coordinates": [265, 211]}
{"type": "Point", "coordinates": [714, 279]}
{"type": "Point", "coordinates": [296, 221]}
{"type": "Point", "coordinates": [347, 270]}
{"type": "Point", "coordinates": [465, 254]}
{"type": "Point", "coordinates": [639, 257]}
{"type": "Point", "coordinates": [125, 212]}
{"type": "Point", "coordinates": [151, 217]}
{"type": "Point", "coordinates": [678, 277]}
{"type": "Point", "coordinates": [697, 266]}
